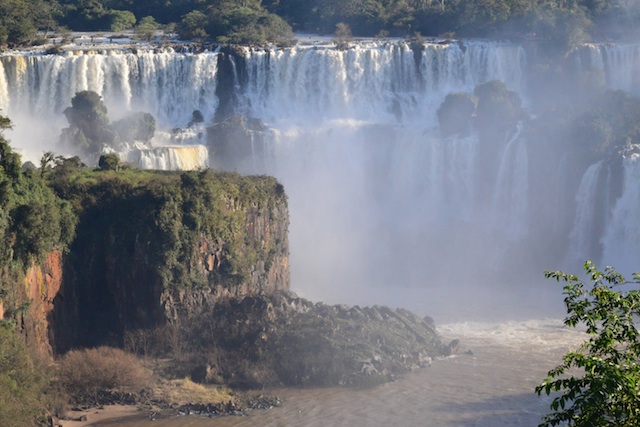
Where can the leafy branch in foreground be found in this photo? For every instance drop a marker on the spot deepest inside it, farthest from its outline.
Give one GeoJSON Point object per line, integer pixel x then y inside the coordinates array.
{"type": "Point", "coordinates": [607, 390]}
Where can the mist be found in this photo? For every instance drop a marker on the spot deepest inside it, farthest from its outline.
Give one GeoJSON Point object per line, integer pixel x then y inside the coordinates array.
{"type": "Point", "coordinates": [384, 209]}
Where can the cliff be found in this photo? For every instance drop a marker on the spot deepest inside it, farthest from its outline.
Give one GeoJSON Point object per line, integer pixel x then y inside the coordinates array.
{"type": "Point", "coordinates": [194, 266]}
{"type": "Point", "coordinates": [27, 298]}
{"type": "Point", "coordinates": [152, 245]}
{"type": "Point", "coordinates": [42, 284]}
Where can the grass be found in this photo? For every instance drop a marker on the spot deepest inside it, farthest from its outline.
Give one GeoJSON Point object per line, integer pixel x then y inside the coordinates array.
{"type": "Point", "coordinates": [184, 391]}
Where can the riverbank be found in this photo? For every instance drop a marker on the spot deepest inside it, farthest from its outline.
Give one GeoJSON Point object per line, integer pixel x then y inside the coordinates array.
{"type": "Point", "coordinates": [108, 413]}
{"type": "Point", "coordinates": [491, 383]}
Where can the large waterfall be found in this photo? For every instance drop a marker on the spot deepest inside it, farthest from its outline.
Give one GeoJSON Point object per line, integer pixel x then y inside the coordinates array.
{"type": "Point", "coordinates": [379, 200]}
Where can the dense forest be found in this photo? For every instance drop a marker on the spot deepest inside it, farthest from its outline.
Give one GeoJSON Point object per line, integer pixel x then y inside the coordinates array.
{"type": "Point", "coordinates": [562, 22]}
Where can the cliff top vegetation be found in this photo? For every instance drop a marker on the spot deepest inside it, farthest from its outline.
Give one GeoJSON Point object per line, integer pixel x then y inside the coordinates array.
{"type": "Point", "coordinates": [562, 24]}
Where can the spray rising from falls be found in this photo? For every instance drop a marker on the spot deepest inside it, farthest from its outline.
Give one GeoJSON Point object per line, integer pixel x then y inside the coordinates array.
{"type": "Point", "coordinates": [378, 197]}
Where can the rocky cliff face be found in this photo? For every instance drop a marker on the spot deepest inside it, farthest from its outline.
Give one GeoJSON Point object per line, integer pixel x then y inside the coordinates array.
{"type": "Point", "coordinates": [42, 284]}
{"type": "Point", "coordinates": [279, 339]}
{"type": "Point", "coordinates": [145, 252]}
{"type": "Point", "coordinates": [28, 299]}
{"type": "Point", "coordinates": [269, 270]}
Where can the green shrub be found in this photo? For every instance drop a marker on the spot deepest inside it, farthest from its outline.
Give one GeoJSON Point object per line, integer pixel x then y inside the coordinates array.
{"type": "Point", "coordinates": [598, 384]}
{"type": "Point", "coordinates": [22, 384]}
{"type": "Point", "coordinates": [455, 113]}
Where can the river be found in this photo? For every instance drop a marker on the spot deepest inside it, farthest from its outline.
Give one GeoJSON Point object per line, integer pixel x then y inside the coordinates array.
{"type": "Point", "coordinates": [492, 386]}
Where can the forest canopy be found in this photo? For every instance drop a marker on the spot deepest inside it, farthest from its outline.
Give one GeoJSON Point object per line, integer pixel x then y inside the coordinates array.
{"type": "Point", "coordinates": [564, 23]}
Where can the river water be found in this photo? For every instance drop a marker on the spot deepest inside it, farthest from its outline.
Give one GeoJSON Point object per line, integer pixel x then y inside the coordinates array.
{"type": "Point", "coordinates": [490, 386]}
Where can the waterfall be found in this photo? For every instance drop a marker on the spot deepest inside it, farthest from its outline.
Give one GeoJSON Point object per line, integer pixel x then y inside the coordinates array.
{"type": "Point", "coordinates": [618, 63]}
{"type": "Point", "coordinates": [581, 237]}
{"type": "Point", "coordinates": [168, 85]}
{"type": "Point", "coordinates": [377, 196]}
{"type": "Point", "coordinates": [376, 81]}
{"type": "Point", "coordinates": [510, 201]}
{"type": "Point", "coordinates": [354, 139]}
{"type": "Point", "coordinates": [186, 157]}
{"type": "Point", "coordinates": [4, 91]}
{"type": "Point", "coordinates": [621, 238]}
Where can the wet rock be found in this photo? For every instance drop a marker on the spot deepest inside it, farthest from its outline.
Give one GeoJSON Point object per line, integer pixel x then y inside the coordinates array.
{"type": "Point", "coordinates": [280, 339]}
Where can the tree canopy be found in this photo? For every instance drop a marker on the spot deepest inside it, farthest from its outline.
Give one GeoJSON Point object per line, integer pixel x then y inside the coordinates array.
{"type": "Point", "coordinates": [598, 384]}
{"type": "Point", "coordinates": [558, 23]}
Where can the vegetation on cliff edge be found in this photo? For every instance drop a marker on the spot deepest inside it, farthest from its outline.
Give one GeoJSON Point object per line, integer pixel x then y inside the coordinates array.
{"type": "Point", "coordinates": [172, 213]}
{"type": "Point", "coordinates": [33, 222]}
{"type": "Point", "coordinates": [558, 24]}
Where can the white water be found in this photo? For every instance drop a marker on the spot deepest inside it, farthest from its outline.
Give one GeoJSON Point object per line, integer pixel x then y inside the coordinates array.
{"type": "Point", "coordinates": [35, 90]}
{"type": "Point", "coordinates": [380, 203]}
{"type": "Point", "coordinates": [619, 64]}
{"type": "Point", "coordinates": [372, 82]}
{"type": "Point", "coordinates": [585, 213]}
{"type": "Point", "coordinates": [621, 239]}
{"type": "Point", "coordinates": [169, 157]}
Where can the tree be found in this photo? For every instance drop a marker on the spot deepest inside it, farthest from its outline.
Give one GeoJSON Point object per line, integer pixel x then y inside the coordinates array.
{"type": "Point", "coordinates": [193, 26]}
{"type": "Point", "coordinates": [121, 20]}
{"type": "Point", "coordinates": [498, 108]}
{"type": "Point", "coordinates": [136, 127]}
{"type": "Point", "coordinates": [607, 392]}
{"type": "Point", "coordinates": [88, 122]}
{"type": "Point", "coordinates": [248, 23]}
{"type": "Point", "coordinates": [342, 36]}
{"type": "Point", "coordinates": [22, 384]}
{"type": "Point", "coordinates": [455, 113]}
{"type": "Point", "coordinates": [146, 28]}
{"type": "Point", "coordinates": [17, 24]}
{"type": "Point", "coordinates": [109, 162]}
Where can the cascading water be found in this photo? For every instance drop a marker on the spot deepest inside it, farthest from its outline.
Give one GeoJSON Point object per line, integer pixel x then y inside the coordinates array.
{"type": "Point", "coordinates": [169, 85]}
{"type": "Point", "coordinates": [4, 90]}
{"type": "Point", "coordinates": [510, 201]}
{"type": "Point", "coordinates": [581, 240]}
{"type": "Point", "coordinates": [617, 62]}
{"type": "Point", "coordinates": [621, 238]}
{"type": "Point", "coordinates": [168, 157]}
{"type": "Point", "coordinates": [378, 198]}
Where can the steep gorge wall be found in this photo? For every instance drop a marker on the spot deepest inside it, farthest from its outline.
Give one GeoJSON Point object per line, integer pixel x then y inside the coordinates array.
{"type": "Point", "coordinates": [28, 299]}
{"type": "Point", "coordinates": [149, 251]}
{"type": "Point", "coordinates": [42, 284]}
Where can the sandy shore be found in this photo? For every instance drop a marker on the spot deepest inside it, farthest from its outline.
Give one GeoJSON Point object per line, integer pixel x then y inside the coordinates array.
{"type": "Point", "coordinates": [95, 415]}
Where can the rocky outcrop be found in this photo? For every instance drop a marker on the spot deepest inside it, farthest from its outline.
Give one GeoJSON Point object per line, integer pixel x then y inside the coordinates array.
{"type": "Point", "coordinates": [280, 339]}
{"type": "Point", "coordinates": [171, 243]}
{"type": "Point", "coordinates": [42, 284]}
{"type": "Point", "coordinates": [269, 272]}
{"type": "Point", "coordinates": [197, 266]}
{"type": "Point", "coordinates": [27, 299]}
